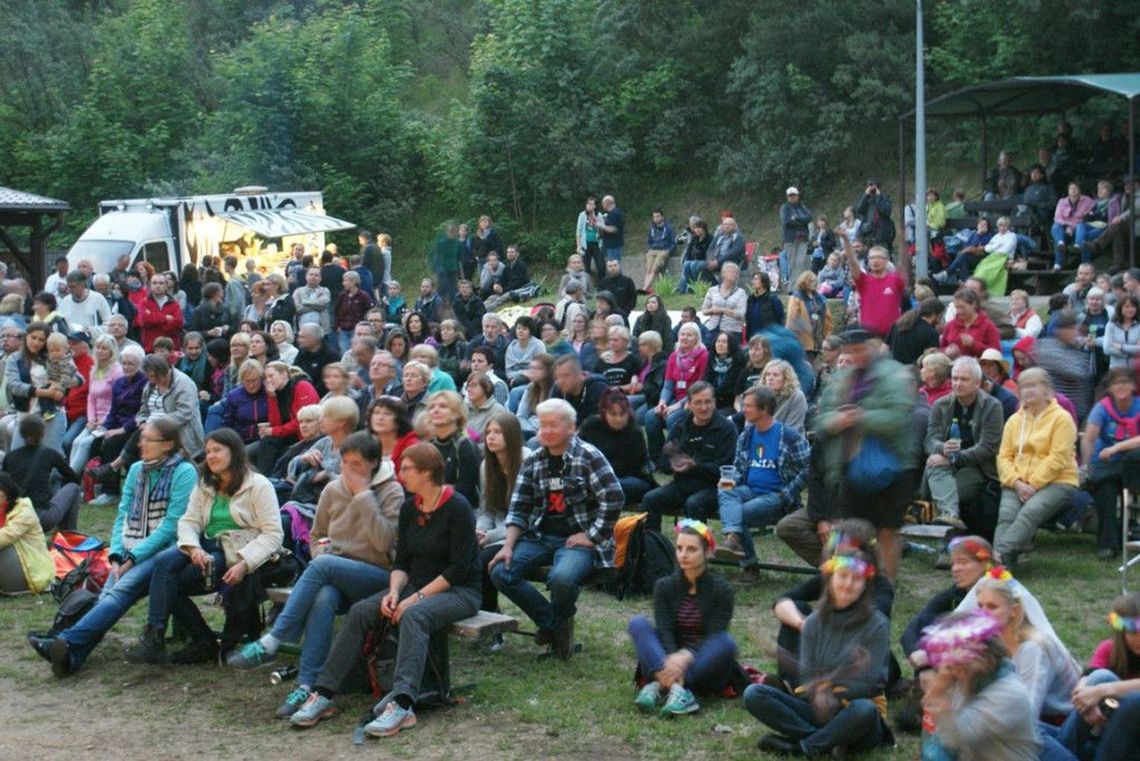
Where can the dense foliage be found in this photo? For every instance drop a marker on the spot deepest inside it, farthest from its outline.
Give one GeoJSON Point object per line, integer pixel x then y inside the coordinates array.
{"type": "Point", "coordinates": [408, 111]}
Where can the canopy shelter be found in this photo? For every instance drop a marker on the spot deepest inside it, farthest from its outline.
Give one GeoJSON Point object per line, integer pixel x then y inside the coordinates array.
{"type": "Point", "coordinates": [42, 216]}
{"type": "Point", "coordinates": [278, 223]}
{"type": "Point", "coordinates": [1022, 96]}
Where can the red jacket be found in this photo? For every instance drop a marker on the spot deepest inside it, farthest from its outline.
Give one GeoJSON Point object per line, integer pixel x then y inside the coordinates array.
{"type": "Point", "coordinates": [301, 393]}
{"type": "Point", "coordinates": [982, 330]}
{"type": "Point", "coordinates": [154, 321]}
{"type": "Point", "coordinates": [76, 400]}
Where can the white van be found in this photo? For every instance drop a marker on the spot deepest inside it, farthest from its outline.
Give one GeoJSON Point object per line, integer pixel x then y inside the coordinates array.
{"type": "Point", "coordinates": [173, 232]}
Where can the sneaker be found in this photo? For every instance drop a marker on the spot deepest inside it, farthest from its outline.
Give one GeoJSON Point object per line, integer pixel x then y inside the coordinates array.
{"type": "Point", "coordinates": [392, 720]}
{"type": "Point", "coordinates": [105, 499]}
{"type": "Point", "coordinates": [680, 701]}
{"type": "Point", "coordinates": [946, 519]}
{"type": "Point", "coordinates": [780, 745]}
{"type": "Point", "coordinates": [649, 697]}
{"type": "Point", "coordinates": [1056, 267]}
{"type": "Point", "coordinates": [315, 708]}
{"type": "Point", "coordinates": [250, 657]}
{"type": "Point", "coordinates": [293, 702]}
{"type": "Point", "coordinates": [731, 549]}
{"type": "Point", "coordinates": [498, 642]}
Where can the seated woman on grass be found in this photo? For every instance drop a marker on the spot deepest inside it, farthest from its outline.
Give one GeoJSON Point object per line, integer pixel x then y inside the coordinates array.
{"type": "Point", "coordinates": [353, 541]}
{"type": "Point", "coordinates": [1113, 672]}
{"type": "Point", "coordinates": [843, 664]}
{"type": "Point", "coordinates": [1041, 660]}
{"type": "Point", "coordinates": [25, 565]}
{"type": "Point", "coordinates": [687, 647]}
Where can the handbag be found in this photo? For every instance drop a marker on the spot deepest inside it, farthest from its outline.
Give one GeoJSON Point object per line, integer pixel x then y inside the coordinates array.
{"type": "Point", "coordinates": [874, 467]}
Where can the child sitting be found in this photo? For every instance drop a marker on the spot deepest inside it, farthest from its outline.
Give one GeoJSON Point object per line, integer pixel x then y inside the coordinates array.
{"type": "Point", "coordinates": [62, 374]}
{"type": "Point", "coordinates": [394, 304]}
{"type": "Point", "coordinates": [833, 277]}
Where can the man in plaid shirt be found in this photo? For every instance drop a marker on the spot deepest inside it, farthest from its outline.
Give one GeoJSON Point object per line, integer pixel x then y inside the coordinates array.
{"type": "Point", "coordinates": [562, 514]}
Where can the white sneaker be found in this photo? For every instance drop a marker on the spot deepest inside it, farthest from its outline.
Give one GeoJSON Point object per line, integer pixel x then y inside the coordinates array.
{"type": "Point", "coordinates": [105, 499]}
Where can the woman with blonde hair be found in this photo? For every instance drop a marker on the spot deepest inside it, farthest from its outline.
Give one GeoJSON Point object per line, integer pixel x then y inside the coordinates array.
{"type": "Point", "coordinates": [791, 404]}
{"type": "Point", "coordinates": [282, 334]}
{"type": "Point", "coordinates": [807, 314]}
{"type": "Point", "coordinates": [446, 423]}
{"type": "Point", "coordinates": [934, 372]}
{"type": "Point", "coordinates": [103, 376]}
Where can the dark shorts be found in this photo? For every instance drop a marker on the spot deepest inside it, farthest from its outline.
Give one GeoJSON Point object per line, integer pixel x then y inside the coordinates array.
{"type": "Point", "coordinates": [885, 508]}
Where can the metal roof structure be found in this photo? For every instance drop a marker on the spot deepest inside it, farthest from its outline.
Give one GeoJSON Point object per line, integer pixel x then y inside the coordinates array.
{"type": "Point", "coordinates": [19, 200]}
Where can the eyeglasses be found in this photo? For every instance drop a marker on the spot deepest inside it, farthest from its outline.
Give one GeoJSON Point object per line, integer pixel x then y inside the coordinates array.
{"type": "Point", "coordinates": [152, 440]}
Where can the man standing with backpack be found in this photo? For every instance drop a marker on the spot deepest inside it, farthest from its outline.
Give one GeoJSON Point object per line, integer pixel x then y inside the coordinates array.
{"type": "Point", "coordinates": [562, 513]}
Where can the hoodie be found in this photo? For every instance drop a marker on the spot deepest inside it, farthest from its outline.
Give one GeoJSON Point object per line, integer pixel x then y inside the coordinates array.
{"type": "Point", "coordinates": [1039, 449]}
{"type": "Point", "coordinates": [360, 526]}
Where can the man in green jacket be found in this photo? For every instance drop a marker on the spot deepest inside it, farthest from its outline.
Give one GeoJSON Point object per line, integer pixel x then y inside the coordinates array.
{"type": "Point", "coordinates": [872, 397]}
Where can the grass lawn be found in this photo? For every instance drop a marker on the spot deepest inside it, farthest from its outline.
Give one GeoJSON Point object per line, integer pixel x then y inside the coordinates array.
{"type": "Point", "coordinates": [521, 708]}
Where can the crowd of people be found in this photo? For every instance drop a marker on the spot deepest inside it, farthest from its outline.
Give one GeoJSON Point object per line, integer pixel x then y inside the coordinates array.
{"type": "Point", "coordinates": [412, 462]}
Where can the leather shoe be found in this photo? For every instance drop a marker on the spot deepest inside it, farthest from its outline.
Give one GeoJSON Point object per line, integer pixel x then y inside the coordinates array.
{"type": "Point", "coordinates": [42, 645]}
{"type": "Point", "coordinates": [780, 745]}
{"type": "Point", "coordinates": [56, 651]}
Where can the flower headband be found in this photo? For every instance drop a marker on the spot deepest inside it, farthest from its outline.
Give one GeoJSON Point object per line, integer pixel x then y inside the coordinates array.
{"type": "Point", "coordinates": [699, 526]}
{"type": "Point", "coordinates": [972, 547]}
{"type": "Point", "coordinates": [851, 562]}
{"type": "Point", "coordinates": [998, 573]}
{"type": "Point", "coordinates": [959, 642]}
{"type": "Point", "coordinates": [1121, 624]}
{"type": "Point", "coordinates": [838, 542]}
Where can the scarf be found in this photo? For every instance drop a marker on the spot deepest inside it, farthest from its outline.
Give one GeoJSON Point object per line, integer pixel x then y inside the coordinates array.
{"type": "Point", "coordinates": [1126, 427]}
{"type": "Point", "coordinates": [150, 502]}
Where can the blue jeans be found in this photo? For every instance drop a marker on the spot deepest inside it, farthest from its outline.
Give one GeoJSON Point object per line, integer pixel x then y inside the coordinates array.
{"type": "Point", "coordinates": [329, 585]}
{"type": "Point", "coordinates": [115, 600]}
{"type": "Point", "coordinates": [1082, 234]}
{"type": "Point", "coordinates": [657, 429]}
{"type": "Point", "coordinates": [635, 488]}
{"type": "Point", "coordinates": [693, 270]}
{"type": "Point", "coordinates": [174, 580]}
{"type": "Point", "coordinates": [742, 509]}
{"type": "Point", "coordinates": [696, 500]}
{"type": "Point", "coordinates": [857, 726]}
{"type": "Point", "coordinates": [614, 253]}
{"type": "Point", "coordinates": [569, 566]}
{"type": "Point", "coordinates": [708, 673]}
{"type": "Point", "coordinates": [73, 430]}
{"type": "Point", "coordinates": [514, 396]}
{"type": "Point", "coordinates": [1075, 735]}
{"type": "Point", "coordinates": [344, 340]}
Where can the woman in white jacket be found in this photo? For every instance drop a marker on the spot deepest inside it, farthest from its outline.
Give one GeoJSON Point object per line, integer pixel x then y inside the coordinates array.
{"type": "Point", "coordinates": [231, 528]}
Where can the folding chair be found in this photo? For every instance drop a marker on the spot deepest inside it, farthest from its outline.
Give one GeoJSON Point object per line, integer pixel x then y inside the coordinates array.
{"type": "Point", "coordinates": [1129, 547]}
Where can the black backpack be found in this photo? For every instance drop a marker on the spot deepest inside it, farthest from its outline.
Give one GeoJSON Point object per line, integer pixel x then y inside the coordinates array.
{"type": "Point", "coordinates": [649, 557]}
{"type": "Point", "coordinates": [74, 597]}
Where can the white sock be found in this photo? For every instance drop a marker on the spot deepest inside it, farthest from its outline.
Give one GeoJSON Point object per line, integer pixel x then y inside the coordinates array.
{"type": "Point", "coordinates": [270, 643]}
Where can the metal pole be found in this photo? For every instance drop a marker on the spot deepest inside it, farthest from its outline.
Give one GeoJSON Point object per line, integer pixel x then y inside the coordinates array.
{"type": "Point", "coordinates": [985, 149]}
{"type": "Point", "coordinates": [921, 237]}
{"type": "Point", "coordinates": [1132, 171]}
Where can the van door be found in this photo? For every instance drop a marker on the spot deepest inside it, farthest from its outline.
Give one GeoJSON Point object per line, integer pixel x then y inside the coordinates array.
{"type": "Point", "coordinates": [157, 253]}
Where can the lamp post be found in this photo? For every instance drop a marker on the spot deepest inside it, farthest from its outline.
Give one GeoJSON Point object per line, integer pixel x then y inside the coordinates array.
{"type": "Point", "coordinates": [921, 236]}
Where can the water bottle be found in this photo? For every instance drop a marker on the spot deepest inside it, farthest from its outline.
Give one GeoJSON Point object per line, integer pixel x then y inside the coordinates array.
{"type": "Point", "coordinates": [954, 437]}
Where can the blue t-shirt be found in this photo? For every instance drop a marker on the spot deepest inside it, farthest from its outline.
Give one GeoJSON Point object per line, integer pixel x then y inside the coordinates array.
{"type": "Point", "coordinates": [763, 476]}
{"type": "Point", "coordinates": [614, 218]}
{"type": "Point", "coordinates": [1108, 427]}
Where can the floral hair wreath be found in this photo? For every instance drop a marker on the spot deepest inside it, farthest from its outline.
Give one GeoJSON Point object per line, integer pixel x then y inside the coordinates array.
{"type": "Point", "coordinates": [851, 562]}
{"type": "Point", "coordinates": [1122, 624]}
{"type": "Point", "coordinates": [840, 543]}
{"type": "Point", "coordinates": [698, 526]}
{"type": "Point", "coordinates": [998, 573]}
{"type": "Point", "coordinates": [971, 547]}
{"type": "Point", "coordinates": [959, 642]}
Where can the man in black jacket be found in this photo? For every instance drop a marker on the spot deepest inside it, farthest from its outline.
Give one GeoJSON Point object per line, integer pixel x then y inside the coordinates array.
{"type": "Point", "coordinates": [469, 310]}
{"type": "Point", "coordinates": [582, 391]}
{"type": "Point", "coordinates": [313, 354]}
{"type": "Point", "coordinates": [698, 446]}
{"type": "Point", "coordinates": [514, 279]}
{"type": "Point", "coordinates": [621, 286]}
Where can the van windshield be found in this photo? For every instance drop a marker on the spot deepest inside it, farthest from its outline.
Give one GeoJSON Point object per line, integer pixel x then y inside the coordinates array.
{"type": "Point", "coordinates": [100, 250]}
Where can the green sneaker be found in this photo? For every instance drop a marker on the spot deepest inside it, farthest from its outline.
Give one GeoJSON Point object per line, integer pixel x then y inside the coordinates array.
{"type": "Point", "coordinates": [293, 702]}
{"type": "Point", "coordinates": [649, 698]}
{"type": "Point", "coordinates": [680, 701]}
{"type": "Point", "coordinates": [250, 657]}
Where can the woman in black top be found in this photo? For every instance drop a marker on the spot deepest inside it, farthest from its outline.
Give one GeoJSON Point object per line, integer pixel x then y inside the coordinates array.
{"type": "Point", "coordinates": [916, 331]}
{"type": "Point", "coordinates": [617, 435]}
{"type": "Point", "coordinates": [655, 317]}
{"type": "Point", "coordinates": [725, 365]}
{"type": "Point", "coordinates": [447, 424]}
{"type": "Point", "coordinates": [434, 583]}
{"type": "Point", "coordinates": [687, 647]}
{"type": "Point", "coordinates": [32, 466]}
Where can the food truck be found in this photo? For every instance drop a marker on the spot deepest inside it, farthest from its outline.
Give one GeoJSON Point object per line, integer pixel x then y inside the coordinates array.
{"type": "Point", "coordinates": [171, 232]}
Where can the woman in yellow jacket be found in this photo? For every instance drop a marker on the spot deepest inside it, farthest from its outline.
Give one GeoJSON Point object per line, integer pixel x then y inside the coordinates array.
{"type": "Point", "coordinates": [808, 315]}
{"type": "Point", "coordinates": [1037, 465]}
{"type": "Point", "coordinates": [25, 565]}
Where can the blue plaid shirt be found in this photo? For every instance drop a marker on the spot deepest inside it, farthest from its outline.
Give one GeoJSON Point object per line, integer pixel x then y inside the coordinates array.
{"type": "Point", "coordinates": [592, 493]}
